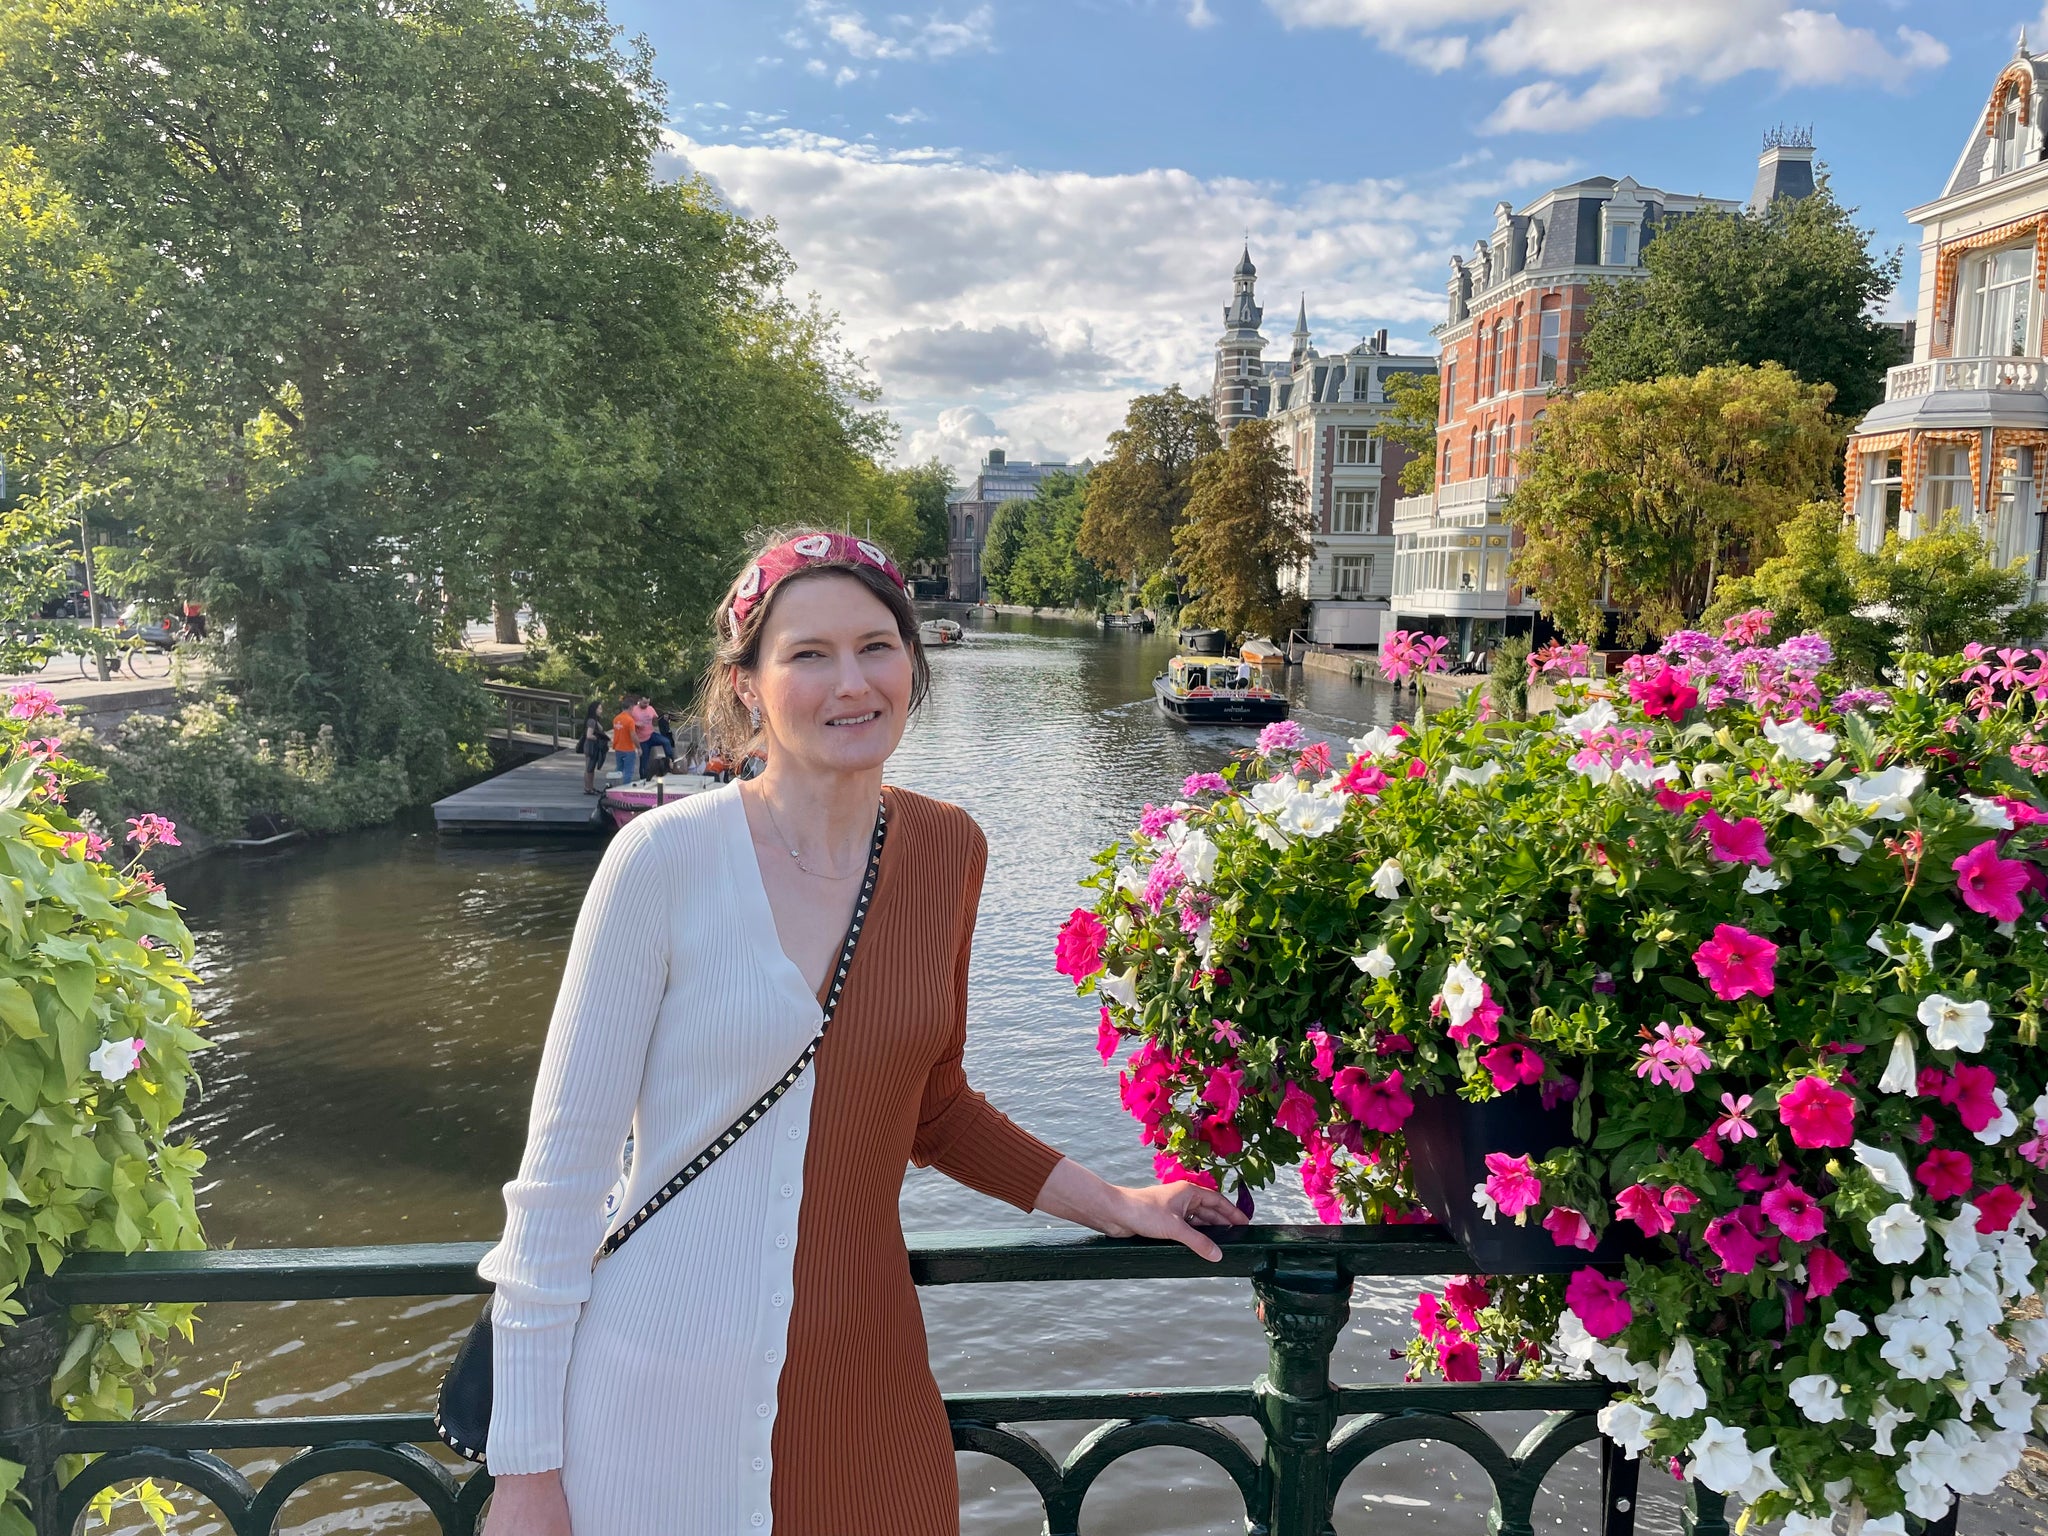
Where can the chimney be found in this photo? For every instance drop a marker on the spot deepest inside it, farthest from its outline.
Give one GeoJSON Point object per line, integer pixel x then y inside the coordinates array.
{"type": "Point", "coordinates": [1379, 340]}
{"type": "Point", "coordinates": [995, 457]}
{"type": "Point", "coordinates": [1785, 168]}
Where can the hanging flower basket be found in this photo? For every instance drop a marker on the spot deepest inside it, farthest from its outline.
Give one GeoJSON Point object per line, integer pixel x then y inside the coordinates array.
{"type": "Point", "coordinates": [1768, 959]}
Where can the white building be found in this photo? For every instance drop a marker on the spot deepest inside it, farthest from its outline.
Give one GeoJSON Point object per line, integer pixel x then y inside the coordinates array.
{"type": "Point", "coordinates": [1326, 413]}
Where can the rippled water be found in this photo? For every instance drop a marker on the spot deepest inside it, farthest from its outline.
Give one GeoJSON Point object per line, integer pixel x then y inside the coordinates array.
{"type": "Point", "coordinates": [379, 1002]}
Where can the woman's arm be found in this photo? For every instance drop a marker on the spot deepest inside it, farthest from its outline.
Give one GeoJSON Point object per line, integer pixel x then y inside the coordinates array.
{"type": "Point", "coordinates": [1174, 1211]}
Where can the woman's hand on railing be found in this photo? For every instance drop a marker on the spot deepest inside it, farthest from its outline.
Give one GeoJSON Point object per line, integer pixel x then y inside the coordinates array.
{"type": "Point", "coordinates": [1170, 1211]}
{"type": "Point", "coordinates": [528, 1504]}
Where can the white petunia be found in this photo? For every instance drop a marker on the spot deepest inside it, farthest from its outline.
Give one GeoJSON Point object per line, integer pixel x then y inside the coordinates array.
{"type": "Point", "coordinates": [1901, 1073]}
{"type": "Point", "coordinates": [1627, 1424]}
{"type": "Point", "coordinates": [1920, 1349]}
{"type": "Point", "coordinates": [1704, 774]}
{"type": "Point", "coordinates": [1926, 938]}
{"type": "Point", "coordinates": [1818, 1396]}
{"type": "Point", "coordinates": [1377, 742]}
{"type": "Point", "coordinates": [1843, 1330]}
{"type": "Point", "coordinates": [1720, 1457]}
{"type": "Point", "coordinates": [1464, 992]}
{"type": "Point", "coordinates": [1988, 813]}
{"type": "Point", "coordinates": [1897, 1235]}
{"type": "Point", "coordinates": [2032, 1337]}
{"type": "Point", "coordinates": [1885, 1167]}
{"type": "Point", "coordinates": [2003, 1125]}
{"type": "Point", "coordinates": [1960, 1243]}
{"type": "Point", "coordinates": [1386, 880]}
{"type": "Point", "coordinates": [1312, 814]}
{"type": "Point", "coordinates": [1677, 1393]}
{"type": "Point", "coordinates": [1761, 881]}
{"type": "Point", "coordinates": [1376, 963]}
{"type": "Point", "coordinates": [1572, 1342]}
{"type": "Point", "coordinates": [1597, 716]}
{"type": "Point", "coordinates": [1797, 1524]}
{"type": "Point", "coordinates": [1763, 1477]}
{"type": "Point", "coordinates": [115, 1059]}
{"type": "Point", "coordinates": [1799, 742]}
{"type": "Point", "coordinates": [1885, 1525]}
{"type": "Point", "coordinates": [1119, 987]}
{"type": "Point", "coordinates": [1640, 773]}
{"type": "Point", "coordinates": [1885, 1421]}
{"type": "Point", "coordinates": [1802, 804]}
{"type": "Point", "coordinates": [1194, 851]}
{"type": "Point", "coordinates": [1128, 879]}
{"type": "Point", "coordinates": [2012, 1405]}
{"type": "Point", "coordinates": [1886, 796]}
{"type": "Point", "coordinates": [1952, 1025]}
{"type": "Point", "coordinates": [1487, 1207]}
{"type": "Point", "coordinates": [1854, 844]}
{"type": "Point", "coordinates": [1982, 1357]}
{"type": "Point", "coordinates": [1478, 777]}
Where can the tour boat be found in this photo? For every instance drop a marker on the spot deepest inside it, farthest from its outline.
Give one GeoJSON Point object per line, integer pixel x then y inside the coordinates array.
{"type": "Point", "coordinates": [1219, 690]}
{"type": "Point", "coordinates": [941, 632]}
{"type": "Point", "coordinates": [622, 802]}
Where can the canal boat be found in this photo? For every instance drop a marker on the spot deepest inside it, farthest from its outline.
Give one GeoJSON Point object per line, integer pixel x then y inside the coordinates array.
{"type": "Point", "coordinates": [1138, 621]}
{"type": "Point", "coordinates": [1204, 642]}
{"type": "Point", "coordinates": [941, 632]}
{"type": "Point", "coordinates": [622, 802]}
{"type": "Point", "coordinates": [1219, 690]}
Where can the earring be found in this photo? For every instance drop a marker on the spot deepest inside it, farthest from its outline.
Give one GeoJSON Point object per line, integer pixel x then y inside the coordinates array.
{"type": "Point", "coordinates": [754, 717]}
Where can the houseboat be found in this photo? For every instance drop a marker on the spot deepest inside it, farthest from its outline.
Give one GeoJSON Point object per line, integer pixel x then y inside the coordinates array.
{"type": "Point", "coordinates": [1220, 690]}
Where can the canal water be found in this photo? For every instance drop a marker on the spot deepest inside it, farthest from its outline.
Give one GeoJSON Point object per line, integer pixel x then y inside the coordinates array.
{"type": "Point", "coordinates": [378, 1004]}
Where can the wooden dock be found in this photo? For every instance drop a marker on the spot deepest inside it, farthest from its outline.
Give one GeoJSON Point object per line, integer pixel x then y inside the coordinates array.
{"type": "Point", "coordinates": [545, 795]}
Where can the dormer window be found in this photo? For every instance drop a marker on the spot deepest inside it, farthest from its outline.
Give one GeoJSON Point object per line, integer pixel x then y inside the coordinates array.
{"type": "Point", "coordinates": [2008, 139]}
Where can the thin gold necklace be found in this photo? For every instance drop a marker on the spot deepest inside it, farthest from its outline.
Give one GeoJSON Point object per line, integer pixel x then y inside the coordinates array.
{"type": "Point", "coordinates": [769, 807]}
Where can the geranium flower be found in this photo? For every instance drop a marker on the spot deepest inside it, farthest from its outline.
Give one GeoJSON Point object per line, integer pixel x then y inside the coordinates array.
{"type": "Point", "coordinates": [1734, 1124]}
{"type": "Point", "coordinates": [1735, 842]}
{"type": "Point", "coordinates": [1886, 796]}
{"type": "Point", "coordinates": [1817, 1114]}
{"type": "Point", "coordinates": [1799, 742]}
{"type": "Point", "coordinates": [1511, 1183]}
{"type": "Point", "coordinates": [1989, 884]}
{"type": "Point", "coordinates": [1378, 1104]}
{"type": "Point", "coordinates": [1795, 1213]}
{"type": "Point", "coordinates": [1078, 951]}
{"type": "Point", "coordinates": [1314, 759]}
{"type": "Point", "coordinates": [1363, 777]}
{"type": "Point", "coordinates": [1673, 1056]}
{"type": "Point", "coordinates": [1511, 1065]}
{"type": "Point", "coordinates": [1734, 1244]}
{"type": "Point", "coordinates": [1224, 1089]}
{"type": "Point", "coordinates": [1297, 1112]}
{"type": "Point", "coordinates": [1736, 963]}
{"type": "Point", "coordinates": [1204, 784]}
{"type": "Point", "coordinates": [1164, 880]}
{"type": "Point", "coordinates": [146, 832]}
{"type": "Point", "coordinates": [1954, 1026]}
{"type": "Point", "coordinates": [1280, 736]}
{"type": "Point", "coordinates": [1569, 1228]}
{"type": "Point", "coordinates": [1640, 1204]}
{"type": "Point", "coordinates": [1946, 1174]}
{"type": "Point", "coordinates": [1599, 1302]}
{"type": "Point", "coordinates": [29, 702]}
{"type": "Point", "coordinates": [1155, 819]}
{"type": "Point", "coordinates": [1825, 1271]}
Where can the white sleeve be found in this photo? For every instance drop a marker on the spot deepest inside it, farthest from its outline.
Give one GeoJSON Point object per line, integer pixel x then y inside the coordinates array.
{"type": "Point", "coordinates": [583, 1103]}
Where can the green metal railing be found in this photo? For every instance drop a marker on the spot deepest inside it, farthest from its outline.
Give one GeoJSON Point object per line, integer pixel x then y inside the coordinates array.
{"type": "Point", "coordinates": [1314, 1433]}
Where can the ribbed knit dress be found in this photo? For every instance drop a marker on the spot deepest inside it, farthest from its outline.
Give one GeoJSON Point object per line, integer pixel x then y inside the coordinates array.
{"type": "Point", "coordinates": [754, 1358]}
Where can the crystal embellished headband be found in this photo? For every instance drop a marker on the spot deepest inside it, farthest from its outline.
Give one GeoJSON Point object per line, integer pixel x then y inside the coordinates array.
{"type": "Point", "coordinates": [783, 560]}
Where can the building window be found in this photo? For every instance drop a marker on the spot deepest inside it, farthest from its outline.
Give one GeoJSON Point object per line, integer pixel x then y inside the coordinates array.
{"type": "Point", "coordinates": [1357, 445]}
{"type": "Point", "coordinates": [1999, 293]}
{"type": "Point", "coordinates": [1446, 475]}
{"type": "Point", "coordinates": [1546, 346]}
{"type": "Point", "coordinates": [1361, 384]}
{"type": "Point", "coordinates": [1450, 390]}
{"type": "Point", "coordinates": [1884, 488]}
{"type": "Point", "coordinates": [1353, 577]}
{"type": "Point", "coordinates": [1496, 579]}
{"type": "Point", "coordinates": [1358, 510]}
{"type": "Point", "coordinates": [970, 525]}
{"type": "Point", "coordinates": [1948, 486]}
{"type": "Point", "coordinates": [2008, 140]}
{"type": "Point", "coordinates": [1472, 453]}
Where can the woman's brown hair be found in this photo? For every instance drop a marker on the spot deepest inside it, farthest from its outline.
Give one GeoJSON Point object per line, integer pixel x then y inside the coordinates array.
{"type": "Point", "coordinates": [728, 728]}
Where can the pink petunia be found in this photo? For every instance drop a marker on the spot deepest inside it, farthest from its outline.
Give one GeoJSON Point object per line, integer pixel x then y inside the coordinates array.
{"type": "Point", "coordinates": [1666, 696]}
{"type": "Point", "coordinates": [1972, 1097]}
{"type": "Point", "coordinates": [1170, 1170]}
{"type": "Point", "coordinates": [1735, 842]}
{"type": "Point", "coordinates": [1599, 1302]}
{"type": "Point", "coordinates": [1734, 1244]}
{"type": "Point", "coordinates": [1224, 1088]}
{"type": "Point", "coordinates": [1078, 952]}
{"type": "Point", "coordinates": [1484, 1025]}
{"type": "Point", "coordinates": [1640, 1204]}
{"type": "Point", "coordinates": [1458, 1359]}
{"type": "Point", "coordinates": [1363, 778]}
{"type": "Point", "coordinates": [1512, 1065]}
{"type": "Point", "coordinates": [1825, 1270]}
{"type": "Point", "coordinates": [1428, 1317]}
{"type": "Point", "coordinates": [1326, 1054]}
{"type": "Point", "coordinates": [1319, 1180]}
{"type": "Point", "coordinates": [1569, 1228]}
{"type": "Point", "coordinates": [1795, 1213]}
{"type": "Point", "coordinates": [1297, 1112]}
{"type": "Point", "coordinates": [1997, 1207]}
{"type": "Point", "coordinates": [1736, 963]}
{"type": "Point", "coordinates": [1511, 1183]}
{"type": "Point", "coordinates": [1107, 1040]}
{"type": "Point", "coordinates": [1678, 1199]}
{"type": "Point", "coordinates": [1378, 1104]}
{"type": "Point", "coordinates": [1818, 1114]}
{"type": "Point", "coordinates": [1223, 1136]}
{"type": "Point", "coordinates": [1465, 1295]}
{"type": "Point", "coordinates": [1989, 884]}
{"type": "Point", "coordinates": [1946, 1174]}
{"type": "Point", "coordinates": [1677, 800]}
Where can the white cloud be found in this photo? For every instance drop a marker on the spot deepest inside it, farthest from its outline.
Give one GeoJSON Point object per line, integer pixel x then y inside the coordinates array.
{"type": "Point", "coordinates": [1044, 300]}
{"type": "Point", "coordinates": [898, 38]}
{"type": "Point", "coordinates": [1199, 14]}
{"type": "Point", "coordinates": [905, 119]}
{"type": "Point", "coordinates": [1636, 57]}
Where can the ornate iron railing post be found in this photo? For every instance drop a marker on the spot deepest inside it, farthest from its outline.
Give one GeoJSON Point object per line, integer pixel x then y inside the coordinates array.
{"type": "Point", "coordinates": [29, 1421]}
{"type": "Point", "coordinates": [1705, 1512]}
{"type": "Point", "coordinates": [1304, 1304]}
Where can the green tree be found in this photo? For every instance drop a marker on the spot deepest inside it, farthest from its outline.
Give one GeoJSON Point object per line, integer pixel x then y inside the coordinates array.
{"type": "Point", "coordinates": [1032, 557]}
{"type": "Point", "coordinates": [1651, 492]}
{"type": "Point", "coordinates": [1139, 494]}
{"type": "Point", "coordinates": [1934, 593]}
{"type": "Point", "coordinates": [1413, 400]}
{"type": "Point", "coordinates": [929, 486]}
{"type": "Point", "coordinates": [1794, 284]}
{"type": "Point", "coordinates": [1247, 528]}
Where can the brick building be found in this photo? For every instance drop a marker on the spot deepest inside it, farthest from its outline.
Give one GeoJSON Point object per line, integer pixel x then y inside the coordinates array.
{"type": "Point", "coordinates": [969, 514]}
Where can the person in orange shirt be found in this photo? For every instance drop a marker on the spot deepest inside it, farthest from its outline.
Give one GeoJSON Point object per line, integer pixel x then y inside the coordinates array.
{"type": "Point", "coordinates": [626, 743]}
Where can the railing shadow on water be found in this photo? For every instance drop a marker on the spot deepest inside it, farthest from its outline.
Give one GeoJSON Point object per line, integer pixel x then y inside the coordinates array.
{"type": "Point", "coordinates": [1314, 1433]}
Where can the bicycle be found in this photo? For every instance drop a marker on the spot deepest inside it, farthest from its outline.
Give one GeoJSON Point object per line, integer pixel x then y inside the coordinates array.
{"type": "Point", "coordinates": [141, 657]}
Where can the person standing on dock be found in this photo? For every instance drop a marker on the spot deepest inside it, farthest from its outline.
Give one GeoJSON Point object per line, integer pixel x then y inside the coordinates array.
{"type": "Point", "coordinates": [592, 742]}
{"type": "Point", "coordinates": [625, 745]}
{"type": "Point", "coordinates": [754, 1359]}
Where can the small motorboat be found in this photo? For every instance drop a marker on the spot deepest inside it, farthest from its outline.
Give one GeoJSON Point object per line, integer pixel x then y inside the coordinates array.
{"type": "Point", "coordinates": [1137, 621]}
{"type": "Point", "coordinates": [622, 802]}
{"type": "Point", "coordinates": [1219, 690]}
{"type": "Point", "coordinates": [941, 632]}
{"type": "Point", "coordinates": [1204, 642]}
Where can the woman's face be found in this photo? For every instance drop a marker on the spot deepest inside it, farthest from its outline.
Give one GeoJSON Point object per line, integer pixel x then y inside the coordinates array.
{"type": "Point", "coordinates": [833, 679]}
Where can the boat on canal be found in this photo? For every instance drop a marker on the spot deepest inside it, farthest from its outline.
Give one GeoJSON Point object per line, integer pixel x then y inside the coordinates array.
{"type": "Point", "coordinates": [622, 802]}
{"type": "Point", "coordinates": [1220, 690]}
{"type": "Point", "coordinates": [941, 632]}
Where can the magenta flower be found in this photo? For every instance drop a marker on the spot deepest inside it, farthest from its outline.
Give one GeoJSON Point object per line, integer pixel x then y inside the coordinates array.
{"type": "Point", "coordinates": [1078, 952]}
{"type": "Point", "coordinates": [1223, 1032]}
{"type": "Point", "coordinates": [1204, 784]}
{"type": "Point", "coordinates": [1640, 1204]}
{"type": "Point", "coordinates": [1997, 1206]}
{"type": "Point", "coordinates": [1511, 1183]}
{"type": "Point", "coordinates": [1736, 963]}
{"type": "Point", "coordinates": [1666, 696]}
{"type": "Point", "coordinates": [1171, 1170]}
{"type": "Point", "coordinates": [1795, 1213]}
{"type": "Point", "coordinates": [1428, 1317]}
{"type": "Point", "coordinates": [1825, 1270]}
{"type": "Point", "coordinates": [146, 832]}
{"type": "Point", "coordinates": [1378, 1104]}
{"type": "Point", "coordinates": [1734, 1124]}
{"type": "Point", "coordinates": [1971, 1091]}
{"type": "Point", "coordinates": [1484, 1025]}
{"type": "Point", "coordinates": [1326, 1054]}
{"type": "Point", "coordinates": [1946, 1174]}
{"type": "Point", "coordinates": [1155, 819]}
{"type": "Point", "coordinates": [1363, 778]}
{"type": "Point", "coordinates": [1734, 1244]}
{"type": "Point", "coordinates": [1458, 1359]}
{"type": "Point", "coordinates": [1465, 1295]}
{"type": "Point", "coordinates": [1672, 1058]}
{"type": "Point", "coordinates": [1989, 884]}
{"type": "Point", "coordinates": [1165, 879]}
{"type": "Point", "coordinates": [1512, 1065]}
{"type": "Point", "coordinates": [1297, 1112]}
{"type": "Point", "coordinates": [1569, 1228]}
{"type": "Point", "coordinates": [1599, 1302]}
{"type": "Point", "coordinates": [1676, 801]}
{"type": "Point", "coordinates": [1223, 1136]}
{"type": "Point", "coordinates": [1735, 842]}
{"type": "Point", "coordinates": [29, 702]}
{"type": "Point", "coordinates": [1818, 1114]}
{"type": "Point", "coordinates": [1107, 1040]}
{"type": "Point", "coordinates": [1678, 1199]}
{"type": "Point", "coordinates": [1280, 736]}
{"type": "Point", "coordinates": [1224, 1089]}
{"type": "Point", "coordinates": [1319, 1180]}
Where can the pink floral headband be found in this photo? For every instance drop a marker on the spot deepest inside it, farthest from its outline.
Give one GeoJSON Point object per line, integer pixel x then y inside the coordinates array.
{"type": "Point", "coordinates": [759, 580]}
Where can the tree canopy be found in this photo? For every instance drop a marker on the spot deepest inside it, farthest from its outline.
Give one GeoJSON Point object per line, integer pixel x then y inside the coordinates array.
{"type": "Point", "coordinates": [1139, 494]}
{"type": "Point", "coordinates": [1413, 400]}
{"type": "Point", "coordinates": [1794, 284]}
{"type": "Point", "coordinates": [1031, 555]}
{"type": "Point", "coordinates": [1651, 492]}
{"type": "Point", "coordinates": [1247, 529]}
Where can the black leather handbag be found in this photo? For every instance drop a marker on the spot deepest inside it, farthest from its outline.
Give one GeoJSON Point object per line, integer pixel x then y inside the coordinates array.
{"type": "Point", "coordinates": [462, 1417]}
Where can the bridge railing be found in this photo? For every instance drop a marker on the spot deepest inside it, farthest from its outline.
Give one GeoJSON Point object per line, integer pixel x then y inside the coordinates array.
{"type": "Point", "coordinates": [1313, 1432]}
{"type": "Point", "coordinates": [536, 712]}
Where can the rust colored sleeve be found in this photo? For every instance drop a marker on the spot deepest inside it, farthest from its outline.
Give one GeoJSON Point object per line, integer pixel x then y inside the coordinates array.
{"type": "Point", "coordinates": [958, 1131]}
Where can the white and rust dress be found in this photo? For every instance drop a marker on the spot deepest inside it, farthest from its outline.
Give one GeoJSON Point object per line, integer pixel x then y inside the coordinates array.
{"type": "Point", "coordinates": [754, 1359]}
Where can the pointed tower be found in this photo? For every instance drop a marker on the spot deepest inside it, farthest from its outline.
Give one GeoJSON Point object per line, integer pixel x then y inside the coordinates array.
{"type": "Point", "coordinates": [1240, 389]}
{"type": "Point", "coordinates": [1301, 351]}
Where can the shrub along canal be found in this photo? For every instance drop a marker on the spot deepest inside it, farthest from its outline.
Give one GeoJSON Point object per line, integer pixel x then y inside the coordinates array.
{"type": "Point", "coordinates": [379, 1003]}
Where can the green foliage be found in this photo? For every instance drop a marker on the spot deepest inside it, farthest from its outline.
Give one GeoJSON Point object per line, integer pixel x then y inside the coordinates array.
{"type": "Point", "coordinates": [1937, 592]}
{"type": "Point", "coordinates": [1031, 558]}
{"type": "Point", "coordinates": [1413, 400]}
{"type": "Point", "coordinates": [1794, 284]}
{"type": "Point", "coordinates": [1247, 529]}
{"type": "Point", "coordinates": [1508, 677]}
{"type": "Point", "coordinates": [928, 486]}
{"type": "Point", "coordinates": [1649, 493]}
{"type": "Point", "coordinates": [1138, 496]}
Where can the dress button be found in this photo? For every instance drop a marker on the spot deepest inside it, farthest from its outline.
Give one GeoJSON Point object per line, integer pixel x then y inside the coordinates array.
{"type": "Point", "coordinates": [788, 1190]}
{"type": "Point", "coordinates": [782, 1240]}
{"type": "Point", "coordinates": [760, 1465]}
{"type": "Point", "coordinates": [772, 1356]}
{"type": "Point", "coordinates": [759, 1518]}
{"type": "Point", "coordinates": [762, 1410]}
{"type": "Point", "coordinates": [777, 1298]}
{"type": "Point", "coordinates": [793, 1133]}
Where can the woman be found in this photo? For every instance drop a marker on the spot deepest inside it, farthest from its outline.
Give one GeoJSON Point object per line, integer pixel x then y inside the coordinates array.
{"type": "Point", "coordinates": [593, 741]}
{"type": "Point", "coordinates": [755, 1357]}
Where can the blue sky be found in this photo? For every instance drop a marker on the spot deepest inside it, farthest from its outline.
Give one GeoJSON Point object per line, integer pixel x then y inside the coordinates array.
{"type": "Point", "coordinates": [1024, 211]}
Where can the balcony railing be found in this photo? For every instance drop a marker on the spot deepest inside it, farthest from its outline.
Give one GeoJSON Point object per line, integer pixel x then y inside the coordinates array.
{"type": "Point", "coordinates": [2019, 375]}
{"type": "Point", "coordinates": [1314, 1433]}
{"type": "Point", "coordinates": [1463, 495]}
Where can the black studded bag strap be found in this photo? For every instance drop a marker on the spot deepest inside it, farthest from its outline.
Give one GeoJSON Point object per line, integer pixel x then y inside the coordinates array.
{"type": "Point", "coordinates": [788, 1080]}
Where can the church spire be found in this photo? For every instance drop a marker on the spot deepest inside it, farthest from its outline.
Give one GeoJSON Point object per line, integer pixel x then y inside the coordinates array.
{"type": "Point", "coordinates": [1301, 338]}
